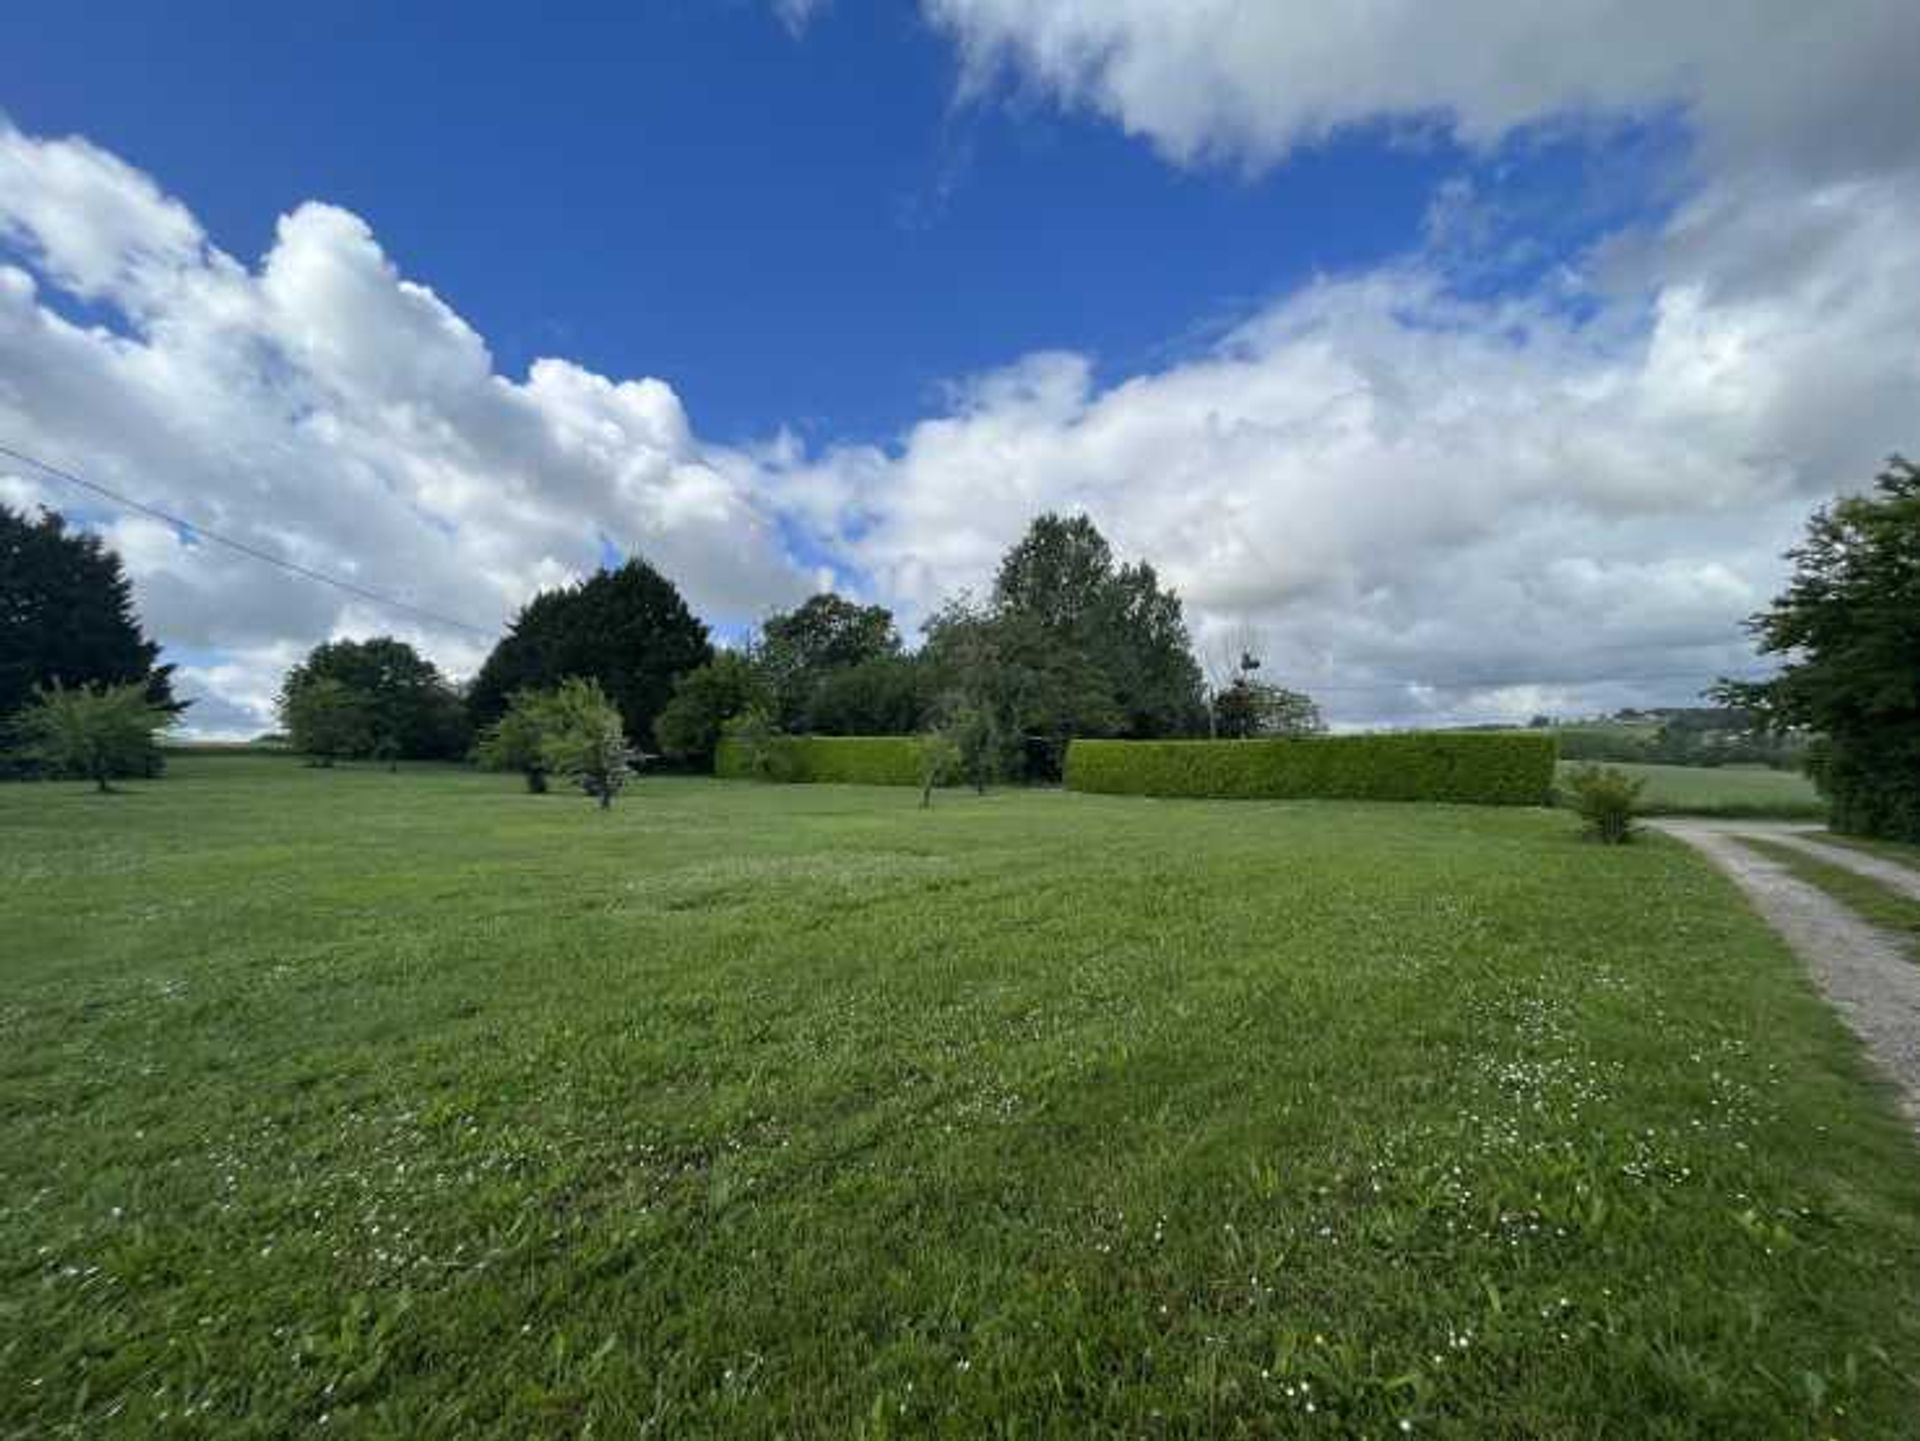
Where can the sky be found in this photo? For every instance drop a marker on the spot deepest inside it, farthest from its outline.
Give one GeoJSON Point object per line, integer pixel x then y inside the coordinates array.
{"type": "Point", "coordinates": [1479, 360]}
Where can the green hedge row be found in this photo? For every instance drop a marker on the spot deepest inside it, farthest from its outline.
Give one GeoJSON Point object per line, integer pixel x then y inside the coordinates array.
{"type": "Point", "coordinates": [852, 760]}
{"type": "Point", "coordinates": [1513, 769]}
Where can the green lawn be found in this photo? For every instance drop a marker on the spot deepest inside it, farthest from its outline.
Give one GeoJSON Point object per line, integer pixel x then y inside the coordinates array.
{"type": "Point", "coordinates": [1749, 791]}
{"type": "Point", "coordinates": [420, 1107]}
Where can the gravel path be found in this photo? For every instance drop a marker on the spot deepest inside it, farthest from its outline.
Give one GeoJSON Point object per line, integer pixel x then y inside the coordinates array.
{"type": "Point", "coordinates": [1864, 971]}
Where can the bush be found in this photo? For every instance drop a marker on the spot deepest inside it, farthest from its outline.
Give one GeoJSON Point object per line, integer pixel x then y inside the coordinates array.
{"type": "Point", "coordinates": [1605, 799]}
{"type": "Point", "coordinates": [846, 760]}
{"type": "Point", "coordinates": [1512, 768]}
{"type": "Point", "coordinates": [97, 732]}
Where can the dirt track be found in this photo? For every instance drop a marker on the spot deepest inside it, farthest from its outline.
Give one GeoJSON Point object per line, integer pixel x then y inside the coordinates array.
{"type": "Point", "coordinates": [1863, 970]}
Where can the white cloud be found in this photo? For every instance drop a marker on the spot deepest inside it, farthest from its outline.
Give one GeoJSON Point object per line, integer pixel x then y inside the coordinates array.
{"type": "Point", "coordinates": [1405, 490]}
{"type": "Point", "coordinates": [324, 408]}
{"type": "Point", "coordinates": [1812, 86]}
{"type": "Point", "coordinates": [797, 15]}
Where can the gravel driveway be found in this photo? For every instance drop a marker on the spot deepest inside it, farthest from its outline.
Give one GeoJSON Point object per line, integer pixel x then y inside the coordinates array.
{"type": "Point", "coordinates": [1864, 971]}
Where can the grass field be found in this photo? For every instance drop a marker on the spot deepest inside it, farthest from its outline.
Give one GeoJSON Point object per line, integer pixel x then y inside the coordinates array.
{"type": "Point", "coordinates": [410, 1105]}
{"type": "Point", "coordinates": [1724, 791]}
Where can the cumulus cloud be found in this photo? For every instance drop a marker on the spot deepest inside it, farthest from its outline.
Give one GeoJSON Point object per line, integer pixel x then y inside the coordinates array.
{"type": "Point", "coordinates": [1436, 498]}
{"type": "Point", "coordinates": [324, 408]}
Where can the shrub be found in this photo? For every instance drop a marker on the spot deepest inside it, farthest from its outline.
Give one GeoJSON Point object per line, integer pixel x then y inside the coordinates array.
{"type": "Point", "coordinates": [1486, 768]}
{"type": "Point", "coordinates": [97, 732]}
{"type": "Point", "coordinates": [516, 742]}
{"type": "Point", "coordinates": [1604, 798]}
{"type": "Point", "coordinates": [846, 760]}
{"type": "Point", "coordinates": [583, 739]}
{"type": "Point", "coordinates": [940, 759]}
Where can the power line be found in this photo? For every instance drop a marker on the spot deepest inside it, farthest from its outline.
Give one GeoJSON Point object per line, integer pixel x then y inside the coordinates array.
{"type": "Point", "coordinates": [294, 567]}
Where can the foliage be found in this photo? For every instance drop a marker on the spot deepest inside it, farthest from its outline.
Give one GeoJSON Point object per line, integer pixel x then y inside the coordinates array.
{"type": "Point", "coordinates": [885, 695]}
{"type": "Point", "coordinates": [1029, 692]}
{"type": "Point", "coordinates": [1680, 736]}
{"type": "Point", "coordinates": [755, 750]}
{"type": "Point", "coordinates": [96, 731]}
{"type": "Point", "coordinates": [1513, 768]}
{"type": "Point", "coordinates": [1848, 625]}
{"type": "Point", "coordinates": [704, 700]}
{"type": "Point", "coordinates": [940, 760]}
{"type": "Point", "coordinates": [409, 709]}
{"type": "Point", "coordinates": [628, 629]}
{"type": "Point", "coordinates": [1249, 708]}
{"type": "Point", "coordinates": [1061, 578]}
{"type": "Point", "coordinates": [326, 719]}
{"type": "Point", "coordinates": [937, 1116]}
{"type": "Point", "coordinates": [1605, 799]}
{"type": "Point", "coordinates": [753, 747]}
{"type": "Point", "coordinates": [67, 616]}
{"type": "Point", "coordinates": [827, 633]}
{"type": "Point", "coordinates": [517, 741]}
{"type": "Point", "coordinates": [582, 739]}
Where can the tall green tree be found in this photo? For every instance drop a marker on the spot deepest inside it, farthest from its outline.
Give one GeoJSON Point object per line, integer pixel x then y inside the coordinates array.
{"type": "Point", "coordinates": [1848, 625]}
{"type": "Point", "coordinates": [628, 629]}
{"type": "Point", "coordinates": [67, 615]}
{"type": "Point", "coordinates": [327, 720]}
{"type": "Point", "coordinates": [824, 634]}
{"type": "Point", "coordinates": [410, 710]}
{"type": "Point", "coordinates": [1061, 579]}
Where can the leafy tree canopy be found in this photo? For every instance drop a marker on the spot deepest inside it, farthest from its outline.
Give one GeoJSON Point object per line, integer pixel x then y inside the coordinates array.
{"type": "Point", "coordinates": [885, 695]}
{"type": "Point", "coordinates": [67, 615]}
{"type": "Point", "coordinates": [98, 731]}
{"type": "Point", "coordinates": [327, 719]}
{"type": "Point", "coordinates": [1848, 625]}
{"type": "Point", "coordinates": [826, 633]}
{"type": "Point", "coordinates": [408, 709]}
{"type": "Point", "coordinates": [704, 700]}
{"type": "Point", "coordinates": [627, 629]}
{"type": "Point", "coordinates": [1249, 708]}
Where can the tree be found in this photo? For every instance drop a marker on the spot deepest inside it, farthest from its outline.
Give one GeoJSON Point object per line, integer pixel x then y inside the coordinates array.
{"type": "Point", "coordinates": [1028, 692]}
{"type": "Point", "coordinates": [1849, 624]}
{"type": "Point", "coordinates": [762, 745]}
{"type": "Point", "coordinates": [1249, 708]}
{"type": "Point", "coordinates": [97, 731]}
{"type": "Point", "coordinates": [67, 616]}
{"type": "Point", "coordinates": [409, 710]}
{"type": "Point", "coordinates": [327, 720]}
{"type": "Point", "coordinates": [584, 740]}
{"type": "Point", "coordinates": [940, 760]}
{"type": "Point", "coordinates": [1061, 579]}
{"type": "Point", "coordinates": [704, 700]}
{"type": "Point", "coordinates": [824, 634]}
{"type": "Point", "coordinates": [628, 629]}
{"type": "Point", "coordinates": [882, 696]}
{"type": "Point", "coordinates": [517, 741]}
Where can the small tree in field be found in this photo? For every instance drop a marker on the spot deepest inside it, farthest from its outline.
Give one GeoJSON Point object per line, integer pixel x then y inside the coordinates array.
{"type": "Point", "coordinates": [99, 731]}
{"type": "Point", "coordinates": [327, 719]}
{"type": "Point", "coordinates": [517, 741]}
{"type": "Point", "coordinates": [762, 745]}
{"type": "Point", "coordinates": [1605, 799]}
{"type": "Point", "coordinates": [939, 763]}
{"type": "Point", "coordinates": [586, 742]}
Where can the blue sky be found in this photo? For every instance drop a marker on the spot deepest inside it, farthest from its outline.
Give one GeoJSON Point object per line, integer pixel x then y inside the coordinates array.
{"type": "Point", "coordinates": [697, 192]}
{"type": "Point", "coordinates": [1474, 363]}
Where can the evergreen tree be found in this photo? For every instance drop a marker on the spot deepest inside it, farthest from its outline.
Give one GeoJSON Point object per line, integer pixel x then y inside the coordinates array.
{"type": "Point", "coordinates": [67, 616]}
{"type": "Point", "coordinates": [627, 629]}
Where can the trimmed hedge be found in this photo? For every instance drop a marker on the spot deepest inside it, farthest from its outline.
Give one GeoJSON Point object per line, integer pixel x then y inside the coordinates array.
{"type": "Point", "coordinates": [1511, 768]}
{"type": "Point", "coordinates": [849, 760]}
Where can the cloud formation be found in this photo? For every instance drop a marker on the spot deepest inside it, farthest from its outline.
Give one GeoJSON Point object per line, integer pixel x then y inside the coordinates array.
{"type": "Point", "coordinates": [322, 407]}
{"type": "Point", "coordinates": [1438, 499]}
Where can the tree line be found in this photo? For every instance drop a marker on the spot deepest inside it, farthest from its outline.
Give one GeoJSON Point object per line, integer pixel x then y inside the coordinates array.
{"type": "Point", "coordinates": [1068, 642]}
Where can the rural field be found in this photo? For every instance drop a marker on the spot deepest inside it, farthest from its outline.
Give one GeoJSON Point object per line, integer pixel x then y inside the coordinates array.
{"type": "Point", "coordinates": [1732, 791]}
{"type": "Point", "coordinates": [410, 1105]}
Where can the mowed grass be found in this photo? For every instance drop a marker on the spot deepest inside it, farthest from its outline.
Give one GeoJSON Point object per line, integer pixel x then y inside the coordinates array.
{"type": "Point", "coordinates": [410, 1105]}
{"type": "Point", "coordinates": [1751, 791]}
